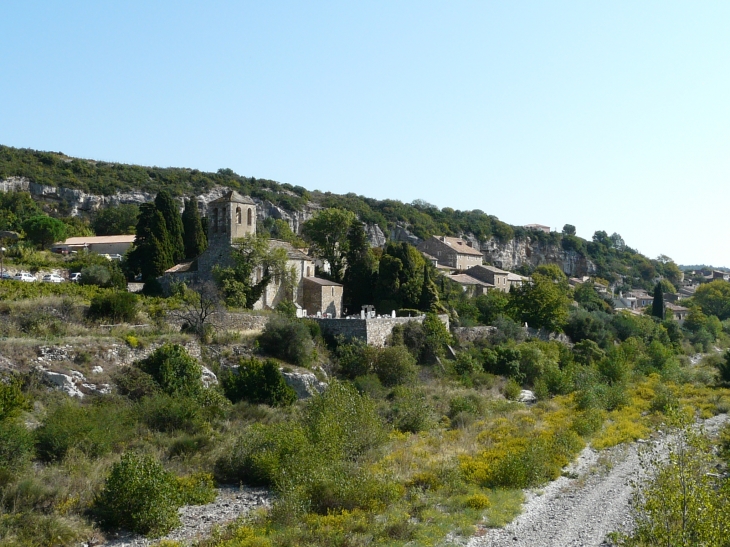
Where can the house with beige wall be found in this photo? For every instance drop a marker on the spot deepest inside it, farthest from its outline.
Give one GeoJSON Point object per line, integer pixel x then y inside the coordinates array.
{"type": "Point", "coordinates": [452, 252]}
{"type": "Point", "coordinates": [491, 274]}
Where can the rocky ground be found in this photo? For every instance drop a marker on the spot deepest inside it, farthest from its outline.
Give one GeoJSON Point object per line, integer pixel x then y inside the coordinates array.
{"type": "Point", "coordinates": [583, 506]}
{"type": "Point", "coordinates": [198, 520]}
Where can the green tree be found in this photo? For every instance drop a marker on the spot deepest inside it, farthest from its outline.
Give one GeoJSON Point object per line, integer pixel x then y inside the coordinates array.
{"type": "Point", "coordinates": [152, 253]}
{"type": "Point", "coordinates": [429, 294]}
{"type": "Point", "coordinates": [569, 230]}
{"type": "Point", "coordinates": [657, 306]}
{"type": "Point", "coordinates": [258, 383]}
{"type": "Point", "coordinates": [491, 306]}
{"type": "Point", "coordinates": [360, 275]}
{"type": "Point", "coordinates": [400, 278]}
{"type": "Point", "coordinates": [174, 370]}
{"type": "Point", "coordinates": [542, 303]}
{"type": "Point", "coordinates": [115, 220]}
{"type": "Point", "coordinates": [44, 231]}
{"type": "Point", "coordinates": [194, 238]}
{"type": "Point", "coordinates": [167, 205]}
{"type": "Point", "coordinates": [327, 232]}
{"type": "Point", "coordinates": [250, 253]}
{"type": "Point", "coordinates": [714, 298]}
{"type": "Point", "coordinates": [16, 208]}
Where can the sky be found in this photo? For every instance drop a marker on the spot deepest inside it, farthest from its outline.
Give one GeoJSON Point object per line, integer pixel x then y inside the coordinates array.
{"type": "Point", "coordinates": [609, 116]}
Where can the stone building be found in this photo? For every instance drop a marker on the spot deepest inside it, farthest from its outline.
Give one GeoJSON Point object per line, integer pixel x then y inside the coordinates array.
{"type": "Point", "coordinates": [233, 216]}
{"type": "Point", "coordinates": [322, 296]}
{"type": "Point", "coordinates": [452, 252]}
{"type": "Point", "coordinates": [491, 274]}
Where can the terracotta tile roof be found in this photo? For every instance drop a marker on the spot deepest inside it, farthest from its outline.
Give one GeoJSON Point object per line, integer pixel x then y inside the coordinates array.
{"type": "Point", "coordinates": [182, 267]}
{"type": "Point", "coordinates": [459, 245]}
{"type": "Point", "coordinates": [291, 252]}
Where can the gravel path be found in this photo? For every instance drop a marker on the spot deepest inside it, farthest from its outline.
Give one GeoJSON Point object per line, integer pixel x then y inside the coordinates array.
{"type": "Point", "coordinates": [198, 520]}
{"type": "Point", "coordinates": [580, 509]}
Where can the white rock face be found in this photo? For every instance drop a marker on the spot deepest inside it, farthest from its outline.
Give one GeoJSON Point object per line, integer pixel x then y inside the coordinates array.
{"type": "Point", "coordinates": [527, 396]}
{"type": "Point", "coordinates": [64, 382]}
{"type": "Point", "coordinates": [97, 370]}
{"type": "Point", "coordinates": [305, 384]}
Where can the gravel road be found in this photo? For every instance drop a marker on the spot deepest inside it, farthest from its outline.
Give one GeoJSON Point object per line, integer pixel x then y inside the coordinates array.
{"type": "Point", "coordinates": [198, 520]}
{"type": "Point", "coordinates": [580, 509]}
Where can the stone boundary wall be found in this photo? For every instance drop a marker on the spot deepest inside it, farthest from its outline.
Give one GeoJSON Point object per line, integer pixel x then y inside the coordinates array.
{"type": "Point", "coordinates": [374, 332]}
{"type": "Point", "coordinates": [233, 321]}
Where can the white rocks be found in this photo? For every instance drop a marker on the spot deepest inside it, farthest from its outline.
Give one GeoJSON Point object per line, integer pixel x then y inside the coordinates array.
{"type": "Point", "coordinates": [64, 382]}
{"type": "Point", "coordinates": [527, 396]}
{"type": "Point", "coordinates": [208, 377]}
{"type": "Point", "coordinates": [97, 370]}
{"type": "Point", "coordinates": [305, 384]}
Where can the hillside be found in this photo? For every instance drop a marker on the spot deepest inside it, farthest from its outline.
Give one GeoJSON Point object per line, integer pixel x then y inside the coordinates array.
{"type": "Point", "coordinates": [94, 183]}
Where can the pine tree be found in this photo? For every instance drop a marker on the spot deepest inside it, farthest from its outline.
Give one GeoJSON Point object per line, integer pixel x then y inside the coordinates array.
{"type": "Point", "coordinates": [151, 255]}
{"type": "Point", "coordinates": [657, 307]}
{"type": "Point", "coordinates": [429, 294]}
{"type": "Point", "coordinates": [193, 236]}
{"type": "Point", "coordinates": [173, 222]}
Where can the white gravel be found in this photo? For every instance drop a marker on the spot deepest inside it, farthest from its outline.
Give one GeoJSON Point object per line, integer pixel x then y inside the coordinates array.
{"type": "Point", "coordinates": [582, 508]}
{"type": "Point", "coordinates": [198, 520]}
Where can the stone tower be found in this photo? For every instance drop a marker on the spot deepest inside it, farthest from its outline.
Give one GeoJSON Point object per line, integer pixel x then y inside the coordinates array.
{"type": "Point", "coordinates": [230, 217]}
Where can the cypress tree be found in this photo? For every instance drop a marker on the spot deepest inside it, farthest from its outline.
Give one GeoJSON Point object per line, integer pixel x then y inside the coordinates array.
{"type": "Point", "coordinates": [151, 255]}
{"type": "Point", "coordinates": [429, 293]}
{"type": "Point", "coordinates": [194, 237]}
{"type": "Point", "coordinates": [173, 222]}
{"type": "Point", "coordinates": [657, 307]}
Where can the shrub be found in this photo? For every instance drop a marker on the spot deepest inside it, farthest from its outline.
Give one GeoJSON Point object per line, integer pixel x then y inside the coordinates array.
{"type": "Point", "coordinates": [355, 359]}
{"type": "Point", "coordinates": [196, 489]}
{"type": "Point", "coordinates": [163, 412]}
{"type": "Point", "coordinates": [93, 429]}
{"type": "Point", "coordinates": [140, 496]}
{"type": "Point", "coordinates": [664, 399]}
{"type": "Point", "coordinates": [394, 366]}
{"type": "Point", "coordinates": [258, 383]}
{"type": "Point", "coordinates": [287, 308]}
{"type": "Point", "coordinates": [470, 404]}
{"type": "Point", "coordinates": [288, 339]}
{"type": "Point", "coordinates": [117, 306]}
{"type": "Point", "coordinates": [465, 364]}
{"type": "Point", "coordinates": [410, 411]}
{"type": "Point", "coordinates": [477, 501]}
{"type": "Point", "coordinates": [586, 423]}
{"type": "Point", "coordinates": [16, 445]}
{"type": "Point", "coordinates": [12, 399]}
{"type": "Point", "coordinates": [103, 276]}
{"type": "Point", "coordinates": [173, 369]}
{"type": "Point", "coordinates": [723, 367]}
{"type": "Point", "coordinates": [134, 383]}
{"type": "Point", "coordinates": [512, 389]}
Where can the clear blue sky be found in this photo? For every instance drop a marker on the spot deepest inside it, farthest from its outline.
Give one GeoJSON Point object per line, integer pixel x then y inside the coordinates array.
{"type": "Point", "coordinates": [610, 116]}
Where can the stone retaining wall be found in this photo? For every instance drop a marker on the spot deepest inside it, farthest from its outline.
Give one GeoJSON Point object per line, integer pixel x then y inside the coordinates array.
{"type": "Point", "coordinates": [374, 332]}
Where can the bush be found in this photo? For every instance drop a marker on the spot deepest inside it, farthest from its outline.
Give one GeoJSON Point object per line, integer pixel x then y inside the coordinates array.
{"type": "Point", "coordinates": [167, 413]}
{"type": "Point", "coordinates": [287, 308]}
{"type": "Point", "coordinates": [12, 399]}
{"type": "Point", "coordinates": [174, 370]}
{"type": "Point", "coordinates": [410, 411]}
{"type": "Point", "coordinates": [140, 496]}
{"type": "Point", "coordinates": [103, 276]}
{"type": "Point", "coordinates": [465, 364]}
{"type": "Point", "coordinates": [512, 389]}
{"type": "Point", "coordinates": [258, 383]}
{"type": "Point", "coordinates": [394, 366]}
{"type": "Point", "coordinates": [196, 489]}
{"type": "Point", "coordinates": [288, 339]}
{"type": "Point", "coordinates": [93, 429]}
{"type": "Point", "coordinates": [117, 306]}
{"type": "Point", "coordinates": [135, 384]}
{"type": "Point", "coordinates": [723, 367]}
{"type": "Point", "coordinates": [16, 445]}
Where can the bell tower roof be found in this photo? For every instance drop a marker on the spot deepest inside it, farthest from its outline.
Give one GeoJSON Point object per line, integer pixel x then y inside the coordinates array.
{"type": "Point", "coordinates": [233, 197]}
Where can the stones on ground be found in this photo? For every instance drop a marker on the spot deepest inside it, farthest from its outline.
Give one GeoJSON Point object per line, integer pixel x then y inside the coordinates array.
{"type": "Point", "coordinates": [527, 396]}
{"type": "Point", "coordinates": [208, 377]}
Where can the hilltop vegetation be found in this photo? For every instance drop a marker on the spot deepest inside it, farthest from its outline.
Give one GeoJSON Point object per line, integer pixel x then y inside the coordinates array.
{"type": "Point", "coordinates": [615, 261]}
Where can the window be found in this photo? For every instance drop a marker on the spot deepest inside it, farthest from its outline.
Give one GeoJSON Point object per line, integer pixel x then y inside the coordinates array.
{"type": "Point", "coordinates": [333, 291]}
{"type": "Point", "coordinates": [249, 217]}
{"type": "Point", "coordinates": [308, 274]}
{"type": "Point", "coordinates": [238, 215]}
{"type": "Point", "coordinates": [215, 220]}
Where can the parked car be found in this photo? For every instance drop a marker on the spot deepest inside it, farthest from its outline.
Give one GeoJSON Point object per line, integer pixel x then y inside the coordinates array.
{"type": "Point", "coordinates": [75, 277]}
{"type": "Point", "coordinates": [24, 276]}
{"type": "Point", "coordinates": [6, 275]}
{"type": "Point", "coordinates": [52, 278]}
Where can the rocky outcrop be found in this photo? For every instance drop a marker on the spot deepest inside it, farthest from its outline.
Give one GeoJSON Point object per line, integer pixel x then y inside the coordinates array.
{"type": "Point", "coordinates": [514, 253]}
{"type": "Point", "coordinates": [305, 384]}
{"type": "Point", "coordinates": [376, 237]}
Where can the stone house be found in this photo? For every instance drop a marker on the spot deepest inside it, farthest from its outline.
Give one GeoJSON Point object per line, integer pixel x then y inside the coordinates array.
{"type": "Point", "coordinates": [539, 227]}
{"type": "Point", "coordinates": [233, 216]}
{"type": "Point", "coordinates": [678, 313]}
{"type": "Point", "coordinates": [716, 274]}
{"type": "Point", "coordinates": [452, 252]}
{"type": "Point", "coordinates": [323, 297]}
{"type": "Point", "coordinates": [492, 275]}
{"type": "Point", "coordinates": [470, 285]}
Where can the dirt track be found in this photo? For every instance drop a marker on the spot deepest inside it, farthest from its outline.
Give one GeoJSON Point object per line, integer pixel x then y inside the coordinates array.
{"type": "Point", "coordinates": [580, 509]}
